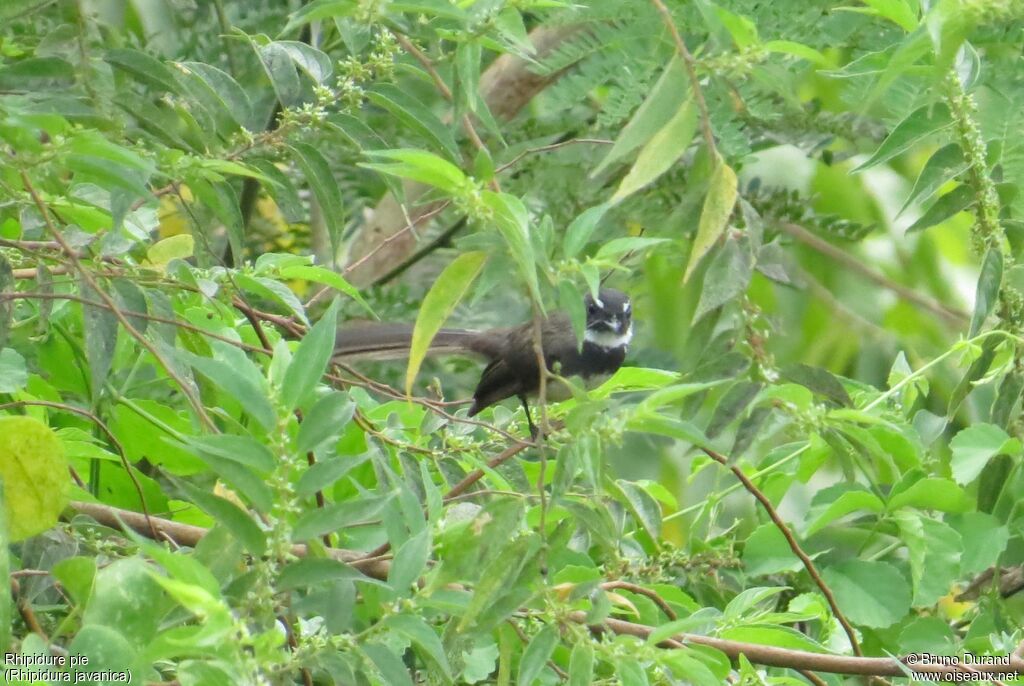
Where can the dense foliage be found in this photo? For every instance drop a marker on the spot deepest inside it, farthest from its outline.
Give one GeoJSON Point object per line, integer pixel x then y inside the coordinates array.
{"type": "Point", "coordinates": [814, 446]}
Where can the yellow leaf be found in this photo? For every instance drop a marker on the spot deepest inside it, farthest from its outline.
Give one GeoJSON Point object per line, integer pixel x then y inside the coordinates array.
{"type": "Point", "coordinates": [714, 217]}
{"type": "Point", "coordinates": [35, 478]}
{"type": "Point", "coordinates": [176, 247]}
{"type": "Point", "coordinates": [444, 295]}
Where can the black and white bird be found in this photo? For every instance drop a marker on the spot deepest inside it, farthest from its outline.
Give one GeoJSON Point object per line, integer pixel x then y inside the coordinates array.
{"type": "Point", "coordinates": [512, 369]}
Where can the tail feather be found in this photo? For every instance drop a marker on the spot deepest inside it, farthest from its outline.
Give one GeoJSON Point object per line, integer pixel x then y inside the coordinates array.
{"type": "Point", "coordinates": [392, 341]}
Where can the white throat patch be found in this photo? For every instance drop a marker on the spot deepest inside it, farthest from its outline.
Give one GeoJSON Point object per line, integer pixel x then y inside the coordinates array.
{"type": "Point", "coordinates": [609, 339]}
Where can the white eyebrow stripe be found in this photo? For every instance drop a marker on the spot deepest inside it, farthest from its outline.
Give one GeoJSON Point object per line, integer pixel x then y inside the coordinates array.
{"type": "Point", "coordinates": [597, 301]}
{"type": "Point", "coordinates": [625, 306]}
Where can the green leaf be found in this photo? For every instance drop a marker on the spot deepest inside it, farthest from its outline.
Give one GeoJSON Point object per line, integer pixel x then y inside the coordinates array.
{"type": "Point", "coordinates": [932, 493]}
{"type": "Point", "coordinates": [282, 189]}
{"type": "Point", "coordinates": [581, 229]}
{"type": "Point", "coordinates": [178, 247]}
{"type": "Point", "coordinates": [874, 594]}
{"type": "Point", "coordinates": [124, 595]}
{"type": "Point", "coordinates": [390, 665]}
{"type": "Point", "coordinates": [222, 200]}
{"type": "Point", "coordinates": [984, 538]}
{"type": "Point", "coordinates": [945, 164]}
{"type": "Point", "coordinates": [987, 292]}
{"type": "Point", "coordinates": [665, 99]}
{"type": "Point", "coordinates": [642, 506]}
{"type": "Point", "coordinates": [446, 292]}
{"type": "Point", "coordinates": [742, 30]}
{"type": "Point", "coordinates": [767, 552]}
{"type": "Point", "coordinates": [727, 277]}
{"type": "Point", "coordinates": [974, 446]}
{"type": "Point", "coordinates": [34, 473]}
{"type": "Point", "coordinates": [536, 655]}
{"type": "Point", "coordinates": [13, 374]}
{"type": "Point", "coordinates": [660, 152]}
{"type": "Point", "coordinates": [409, 562]}
{"type": "Point", "coordinates": [1007, 395]}
{"type": "Point", "coordinates": [415, 115]}
{"type": "Point", "coordinates": [101, 331]}
{"type": "Point", "coordinates": [804, 52]}
{"type": "Point", "coordinates": [318, 173]}
{"type": "Point", "coordinates": [144, 67]}
{"type": "Point", "coordinates": [714, 216]}
{"type": "Point", "coordinates": [934, 551]}
{"type": "Point", "coordinates": [513, 222]}
{"type": "Point", "coordinates": [315, 63]}
{"type": "Point", "coordinates": [957, 200]}
{"type": "Point", "coordinates": [236, 375]}
{"type": "Point", "coordinates": [581, 664]}
{"type": "Point", "coordinates": [327, 278]}
{"type": "Point", "coordinates": [37, 74]}
{"type": "Point", "coordinates": [422, 166]}
{"type": "Point", "coordinates": [245, 450]}
{"type": "Point", "coordinates": [780, 637]}
{"type": "Point", "coordinates": [896, 11]}
{"type": "Point", "coordinates": [334, 516]}
{"type": "Point", "coordinates": [222, 96]}
{"type": "Point", "coordinates": [310, 571]}
{"type": "Point", "coordinates": [467, 66]}
{"type": "Point", "coordinates": [234, 518]}
{"type": "Point", "coordinates": [621, 246]}
{"type": "Point", "coordinates": [732, 405]}
{"type": "Point", "coordinates": [921, 122]}
{"type": "Point", "coordinates": [281, 71]}
{"type": "Point", "coordinates": [317, 10]}
{"type": "Point", "coordinates": [839, 501]}
{"type": "Point", "coordinates": [328, 418]}
{"type": "Point", "coordinates": [6, 614]}
{"type": "Point", "coordinates": [819, 380]}
{"type": "Point", "coordinates": [423, 637]}
{"type": "Point", "coordinates": [6, 306]}
{"type": "Point", "coordinates": [309, 363]}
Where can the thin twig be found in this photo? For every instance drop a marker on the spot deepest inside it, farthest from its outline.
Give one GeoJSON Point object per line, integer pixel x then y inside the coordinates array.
{"type": "Point", "coordinates": [549, 147]}
{"type": "Point", "coordinates": [691, 70]}
{"type": "Point", "coordinates": [808, 563]}
{"type": "Point", "coordinates": [757, 653]}
{"type": "Point", "coordinates": [951, 314]}
{"type": "Point", "coordinates": [193, 400]}
{"type": "Point", "coordinates": [640, 590]}
{"type": "Point", "coordinates": [409, 226]}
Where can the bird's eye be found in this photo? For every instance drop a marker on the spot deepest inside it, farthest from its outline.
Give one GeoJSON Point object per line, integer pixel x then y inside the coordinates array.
{"type": "Point", "coordinates": [592, 308]}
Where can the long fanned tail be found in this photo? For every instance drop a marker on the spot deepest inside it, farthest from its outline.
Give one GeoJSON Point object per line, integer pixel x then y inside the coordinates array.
{"type": "Point", "coordinates": [392, 341]}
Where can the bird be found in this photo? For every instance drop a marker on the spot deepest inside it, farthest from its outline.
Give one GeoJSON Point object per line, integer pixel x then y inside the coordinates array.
{"type": "Point", "coordinates": [512, 369]}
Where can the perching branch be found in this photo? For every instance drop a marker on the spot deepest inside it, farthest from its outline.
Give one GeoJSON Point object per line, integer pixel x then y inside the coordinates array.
{"type": "Point", "coordinates": [188, 535]}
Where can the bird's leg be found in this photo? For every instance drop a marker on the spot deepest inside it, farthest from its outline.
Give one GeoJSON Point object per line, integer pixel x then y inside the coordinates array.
{"type": "Point", "coordinates": [529, 419]}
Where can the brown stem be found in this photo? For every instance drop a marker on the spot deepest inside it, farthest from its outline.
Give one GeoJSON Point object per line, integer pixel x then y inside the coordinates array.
{"type": "Point", "coordinates": [950, 314]}
{"type": "Point", "coordinates": [794, 546]}
{"type": "Point", "coordinates": [190, 395]}
{"type": "Point", "coordinates": [691, 70]}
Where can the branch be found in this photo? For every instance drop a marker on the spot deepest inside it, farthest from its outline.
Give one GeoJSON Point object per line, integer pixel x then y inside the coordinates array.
{"type": "Point", "coordinates": [188, 535]}
{"type": "Point", "coordinates": [506, 86]}
{"type": "Point", "coordinates": [193, 399]}
{"type": "Point", "coordinates": [792, 659]}
{"type": "Point", "coordinates": [952, 315]}
{"type": "Point", "coordinates": [691, 71]}
{"type": "Point", "coordinates": [794, 546]}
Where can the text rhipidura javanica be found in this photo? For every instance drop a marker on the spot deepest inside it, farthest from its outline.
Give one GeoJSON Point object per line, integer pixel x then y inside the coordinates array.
{"type": "Point", "coordinates": [512, 363]}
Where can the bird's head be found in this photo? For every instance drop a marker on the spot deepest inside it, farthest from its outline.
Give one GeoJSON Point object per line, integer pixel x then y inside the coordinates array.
{"type": "Point", "coordinates": [609, 319]}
